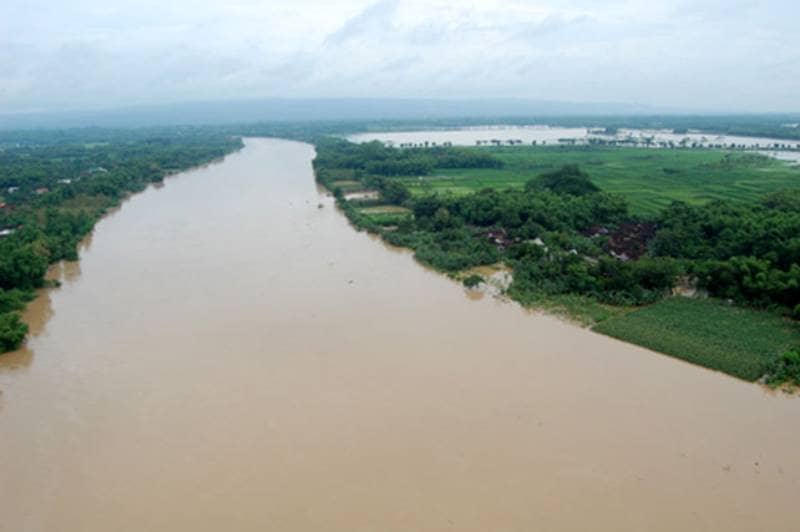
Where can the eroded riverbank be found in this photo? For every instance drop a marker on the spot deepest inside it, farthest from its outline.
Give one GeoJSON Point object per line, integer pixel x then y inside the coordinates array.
{"type": "Point", "coordinates": [227, 355]}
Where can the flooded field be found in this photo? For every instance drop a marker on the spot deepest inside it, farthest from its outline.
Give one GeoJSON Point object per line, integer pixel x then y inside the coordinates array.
{"type": "Point", "coordinates": [526, 135]}
{"type": "Point", "coordinates": [227, 355]}
{"type": "Point", "coordinates": [470, 136]}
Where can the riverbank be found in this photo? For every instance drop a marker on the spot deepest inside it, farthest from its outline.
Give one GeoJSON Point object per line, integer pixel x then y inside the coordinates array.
{"type": "Point", "coordinates": [56, 193]}
{"type": "Point", "coordinates": [579, 252]}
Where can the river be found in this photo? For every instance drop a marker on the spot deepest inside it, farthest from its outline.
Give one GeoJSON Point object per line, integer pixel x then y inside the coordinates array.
{"type": "Point", "coordinates": [229, 356]}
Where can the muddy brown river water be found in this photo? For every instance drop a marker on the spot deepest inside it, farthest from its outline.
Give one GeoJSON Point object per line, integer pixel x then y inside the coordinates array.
{"type": "Point", "coordinates": [228, 356]}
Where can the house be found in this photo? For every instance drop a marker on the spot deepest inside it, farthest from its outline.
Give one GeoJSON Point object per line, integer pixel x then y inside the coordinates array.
{"type": "Point", "coordinates": [630, 240]}
{"type": "Point", "coordinates": [5, 232]}
{"type": "Point", "coordinates": [42, 190]}
{"type": "Point", "coordinates": [11, 190]}
{"type": "Point", "coordinates": [500, 238]}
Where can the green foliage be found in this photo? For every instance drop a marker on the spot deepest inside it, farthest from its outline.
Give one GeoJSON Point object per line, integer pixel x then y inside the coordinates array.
{"type": "Point", "coordinates": [605, 280]}
{"type": "Point", "coordinates": [392, 192]}
{"type": "Point", "coordinates": [375, 159]}
{"type": "Point", "coordinates": [785, 369]}
{"type": "Point", "coordinates": [23, 260]}
{"type": "Point", "coordinates": [12, 331]}
{"type": "Point", "coordinates": [452, 250]}
{"type": "Point", "coordinates": [569, 179]}
{"type": "Point", "coordinates": [472, 281]}
{"type": "Point", "coordinates": [747, 253]}
{"type": "Point", "coordinates": [14, 300]}
{"type": "Point", "coordinates": [738, 341]}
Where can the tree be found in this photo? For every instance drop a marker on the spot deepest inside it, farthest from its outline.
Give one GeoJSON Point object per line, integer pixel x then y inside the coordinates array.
{"type": "Point", "coordinates": [569, 179]}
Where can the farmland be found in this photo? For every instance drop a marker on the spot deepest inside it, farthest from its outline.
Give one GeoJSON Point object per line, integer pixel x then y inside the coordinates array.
{"type": "Point", "coordinates": [650, 179]}
{"type": "Point", "coordinates": [741, 342]}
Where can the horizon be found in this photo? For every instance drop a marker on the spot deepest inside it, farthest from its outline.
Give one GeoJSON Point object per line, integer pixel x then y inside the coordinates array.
{"type": "Point", "coordinates": [510, 111]}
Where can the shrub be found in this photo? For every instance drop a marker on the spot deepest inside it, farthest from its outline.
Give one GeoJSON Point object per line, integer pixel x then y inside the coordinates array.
{"type": "Point", "coordinates": [472, 281]}
{"type": "Point", "coordinates": [12, 331]}
{"type": "Point", "coordinates": [785, 369]}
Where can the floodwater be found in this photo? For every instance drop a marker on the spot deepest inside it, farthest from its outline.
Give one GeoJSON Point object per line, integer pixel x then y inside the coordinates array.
{"type": "Point", "coordinates": [229, 356]}
{"type": "Point", "coordinates": [471, 136]}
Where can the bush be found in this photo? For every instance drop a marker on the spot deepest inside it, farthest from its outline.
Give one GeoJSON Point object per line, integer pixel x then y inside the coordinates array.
{"type": "Point", "coordinates": [12, 331]}
{"type": "Point", "coordinates": [569, 179]}
{"type": "Point", "coordinates": [786, 369]}
{"type": "Point", "coordinates": [472, 281]}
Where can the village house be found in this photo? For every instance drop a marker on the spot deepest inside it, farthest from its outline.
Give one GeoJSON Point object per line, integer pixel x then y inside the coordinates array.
{"type": "Point", "coordinates": [630, 240]}
{"type": "Point", "coordinates": [500, 238]}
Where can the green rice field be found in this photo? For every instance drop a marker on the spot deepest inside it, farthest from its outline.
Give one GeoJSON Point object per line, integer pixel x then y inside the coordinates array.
{"type": "Point", "coordinates": [707, 332]}
{"type": "Point", "coordinates": [649, 178]}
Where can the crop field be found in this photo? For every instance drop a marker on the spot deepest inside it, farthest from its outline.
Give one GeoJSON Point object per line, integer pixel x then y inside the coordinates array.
{"type": "Point", "coordinates": [649, 178]}
{"type": "Point", "coordinates": [709, 333]}
{"type": "Point", "coordinates": [385, 215]}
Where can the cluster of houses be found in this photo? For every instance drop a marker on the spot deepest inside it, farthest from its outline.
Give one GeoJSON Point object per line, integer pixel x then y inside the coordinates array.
{"type": "Point", "coordinates": [627, 242]}
{"type": "Point", "coordinates": [500, 238]}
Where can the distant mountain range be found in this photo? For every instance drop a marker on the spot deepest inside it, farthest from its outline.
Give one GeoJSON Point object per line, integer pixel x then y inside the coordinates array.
{"type": "Point", "coordinates": [289, 110]}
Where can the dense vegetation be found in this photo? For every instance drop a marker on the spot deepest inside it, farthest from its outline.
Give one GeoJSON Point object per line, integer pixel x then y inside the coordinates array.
{"type": "Point", "coordinates": [565, 237]}
{"type": "Point", "coordinates": [52, 193]}
{"type": "Point", "coordinates": [375, 159]}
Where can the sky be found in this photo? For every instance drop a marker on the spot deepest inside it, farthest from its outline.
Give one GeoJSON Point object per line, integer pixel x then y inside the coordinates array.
{"type": "Point", "coordinates": [704, 55]}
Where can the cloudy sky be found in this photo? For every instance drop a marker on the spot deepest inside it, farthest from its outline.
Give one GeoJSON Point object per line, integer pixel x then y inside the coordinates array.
{"type": "Point", "coordinates": [689, 54]}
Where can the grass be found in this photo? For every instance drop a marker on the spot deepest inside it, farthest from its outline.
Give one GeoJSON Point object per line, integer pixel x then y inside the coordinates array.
{"type": "Point", "coordinates": [347, 185]}
{"type": "Point", "coordinates": [576, 308]}
{"type": "Point", "coordinates": [385, 209]}
{"type": "Point", "coordinates": [385, 215]}
{"type": "Point", "coordinates": [738, 341]}
{"type": "Point", "coordinates": [649, 178]}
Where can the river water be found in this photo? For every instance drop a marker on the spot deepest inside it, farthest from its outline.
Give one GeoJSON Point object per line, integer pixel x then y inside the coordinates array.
{"type": "Point", "coordinates": [229, 356]}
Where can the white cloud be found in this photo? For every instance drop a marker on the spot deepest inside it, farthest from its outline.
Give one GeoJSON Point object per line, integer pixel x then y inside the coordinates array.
{"type": "Point", "coordinates": [712, 54]}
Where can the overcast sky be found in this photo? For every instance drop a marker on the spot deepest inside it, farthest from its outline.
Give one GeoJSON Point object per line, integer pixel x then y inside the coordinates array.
{"type": "Point", "coordinates": [693, 54]}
